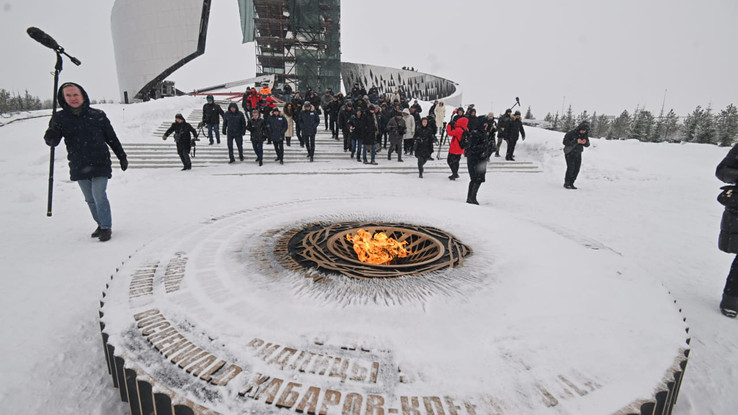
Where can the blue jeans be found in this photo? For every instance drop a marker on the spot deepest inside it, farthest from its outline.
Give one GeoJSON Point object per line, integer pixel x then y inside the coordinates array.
{"type": "Point", "coordinates": [212, 127]}
{"type": "Point", "coordinates": [356, 147]}
{"type": "Point", "coordinates": [373, 151]}
{"type": "Point", "coordinates": [97, 199]}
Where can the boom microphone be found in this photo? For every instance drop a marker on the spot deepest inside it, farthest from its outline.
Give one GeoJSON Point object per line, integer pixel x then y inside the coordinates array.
{"type": "Point", "coordinates": [41, 37]}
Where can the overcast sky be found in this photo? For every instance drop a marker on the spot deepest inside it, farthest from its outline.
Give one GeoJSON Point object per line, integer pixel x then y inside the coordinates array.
{"type": "Point", "coordinates": [602, 56]}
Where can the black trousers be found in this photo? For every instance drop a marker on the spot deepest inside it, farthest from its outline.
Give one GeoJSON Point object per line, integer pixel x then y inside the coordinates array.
{"type": "Point", "coordinates": [333, 126]}
{"type": "Point", "coordinates": [573, 163]}
{"type": "Point", "coordinates": [183, 149]}
{"type": "Point", "coordinates": [477, 166]}
{"type": "Point", "coordinates": [396, 148]}
{"type": "Point", "coordinates": [731, 283]}
{"type": "Point", "coordinates": [510, 147]}
{"type": "Point", "coordinates": [421, 163]}
{"type": "Point", "coordinates": [346, 140]}
{"type": "Point", "coordinates": [453, 162]}
{"type": "Point", "coordinates": [309, 144]}
{"type": "Point", "coordinates": [239, 143]}
{"type": "Point", "coordinates": [279, 149]}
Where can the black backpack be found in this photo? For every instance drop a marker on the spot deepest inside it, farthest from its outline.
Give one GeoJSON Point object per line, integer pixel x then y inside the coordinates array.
{"type": "Point", "coordinates": [464, 141]}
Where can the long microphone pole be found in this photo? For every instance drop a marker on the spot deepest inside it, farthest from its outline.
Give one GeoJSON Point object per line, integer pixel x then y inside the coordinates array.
{"type": "Point", "coordinates": [41, 37]}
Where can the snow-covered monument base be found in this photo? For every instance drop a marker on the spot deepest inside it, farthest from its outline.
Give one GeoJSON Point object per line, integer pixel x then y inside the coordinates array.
{"type": "Point", "coordinates": [262, 311]}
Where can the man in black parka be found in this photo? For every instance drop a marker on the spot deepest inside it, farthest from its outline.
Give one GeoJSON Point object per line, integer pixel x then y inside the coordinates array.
{"type": "Point", "coordinates": [309, 120]}
{"type": "Point", "coordinates": [234, 128]}
{"type": "Point", "coordinates": [211, 113]}
{"type": "Point", "coordinates": [727, 172]}
{"type": "Point", "coordinates": [514, 130]}
{"type": "Point", "coordinates": [574, 143]}
{"type": "Point", "coordinates": [183, 134]}
{"type": "Point", "coordinates": [87, 133]}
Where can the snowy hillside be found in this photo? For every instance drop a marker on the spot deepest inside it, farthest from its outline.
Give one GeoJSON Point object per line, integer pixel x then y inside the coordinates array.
{"type": "Point", "coordinates": [654, 204]}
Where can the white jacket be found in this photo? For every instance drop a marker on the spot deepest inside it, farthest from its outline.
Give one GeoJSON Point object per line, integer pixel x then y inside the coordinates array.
{"type": "Point", "coordinates": [440, 113]}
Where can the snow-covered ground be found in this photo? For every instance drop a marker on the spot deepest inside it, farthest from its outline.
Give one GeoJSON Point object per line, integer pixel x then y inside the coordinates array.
{"type": "Point", "coordinates": [652, 203]}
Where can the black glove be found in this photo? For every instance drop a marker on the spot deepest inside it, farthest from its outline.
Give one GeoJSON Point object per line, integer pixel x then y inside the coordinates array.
{"type": "Point", "coordinates": [224, 131]}
{"type": "Point", "coordinates": [124, 164]}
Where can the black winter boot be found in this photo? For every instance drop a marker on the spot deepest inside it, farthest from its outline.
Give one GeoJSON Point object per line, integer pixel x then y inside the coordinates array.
{"type": "Point", "coordinates": [96, 233]}
{"type": "Point", "coordinates": [471, 196]}
{"type": "Point", "coordinates": [729, 305]}
{"type": "Point", "coordinates": [105, 234]}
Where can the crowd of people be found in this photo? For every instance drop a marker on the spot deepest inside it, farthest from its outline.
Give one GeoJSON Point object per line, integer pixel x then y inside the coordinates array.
{"type": "Point", "coordinates": [368, 123]}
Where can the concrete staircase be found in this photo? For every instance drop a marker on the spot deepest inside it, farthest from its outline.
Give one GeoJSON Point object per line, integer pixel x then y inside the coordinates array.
{"type": "Point", "coordinates": [329, 157]}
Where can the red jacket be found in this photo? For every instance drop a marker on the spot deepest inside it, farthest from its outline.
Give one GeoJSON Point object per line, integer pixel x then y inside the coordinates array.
{"type": "Point", "coordinates": [455, 134]}
{"type": "Point", "coordinates": [254, 99]}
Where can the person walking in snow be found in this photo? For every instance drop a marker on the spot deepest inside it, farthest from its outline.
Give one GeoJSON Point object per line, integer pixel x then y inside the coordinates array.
{"type": "Point", "coordinates": [407, 138]}
{"type": "Point", "coordinates": [357, 129]}
{"type": "Point", "coordinates": [211, 113]}
{"type": "Point", "coordinates": [502, 129]}
{"type": "Point", "coordinates": [344, 116]}
{"type": "Point", "coordinates": [396, 128]}
{"type": "Point", "coordinates": [371, 132]}
{"type": "Point", "coordinates": [440, 114]}
{"type": "Point", "coordinates": [183, 135]}
{"type": "Point", "coordinates": [727, 172]}
{"type": "Point", "coordinates": [87, 133]}
{"type": "Point", "coordinates": [574, 143]}
{"type": "Point", "coordinates": [424, 137]}
{"type": "Point", "coordinates": [257, 128]}
{"type": "Point", "coordinates": [455, 130]}
{"type": "Point", "coordinates": [234, 128]}
{"type": "Point", "coordinates": [309, 121]}
{"type": "Point", "coordinates": [276, 127]}
{"type": "Point", "coordinates": [514, 130]}
{"type": "Point", "coordinates": [289, 115]}
{"type": "Point", "coordinates": [477, 153]}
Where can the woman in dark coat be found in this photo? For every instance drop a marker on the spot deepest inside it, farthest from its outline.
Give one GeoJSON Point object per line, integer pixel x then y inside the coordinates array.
{"type": "Point", "coordinates": [477, 154]}
{"type": "Point", "coordinates": [727, 172]}
{"type": "Point", "coordinates": [234, 128]}
{"type": "Point", "coordinates": [424, 136]}
{"type": "Point", "coordinates": [183, 134]}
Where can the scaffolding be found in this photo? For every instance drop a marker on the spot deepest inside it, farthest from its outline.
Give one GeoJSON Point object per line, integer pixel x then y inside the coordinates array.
{"type": "Point", "coordinates": [299, 42]}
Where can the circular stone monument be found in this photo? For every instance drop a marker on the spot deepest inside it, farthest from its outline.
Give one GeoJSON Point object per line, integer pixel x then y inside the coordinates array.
{"type": "Point", "coordinates": [267, 310]}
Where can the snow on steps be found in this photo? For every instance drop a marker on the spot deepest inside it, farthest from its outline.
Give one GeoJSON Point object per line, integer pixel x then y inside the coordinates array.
{"type": "Point", "coordinates": [329, 157]}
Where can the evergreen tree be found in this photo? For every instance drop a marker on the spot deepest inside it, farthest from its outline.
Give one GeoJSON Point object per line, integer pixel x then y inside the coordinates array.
{"type": "Point", "coordinates": [620, 126]}
{"type": "Point", "coordinates": [528, 114]}
{"type": "Point", "coordinates": [548, 117]}
{"type": "Point", "coordinates": [671, 125]}
{"type": "Point", "coordinates": [567, 121]}
{"type": "Point", "coordinates": [665, 126]}
{"type": "Point", "coordinates": [593, 123]}
{"type": "Point", "coordinates": [642, 126]}
{"type": "Point", "coordinates": [582, 117]}
{"type": "Point", "coordinates": [727, 126]}
{"type": "Point", "coordinates": [690, 124]}
{"type": "Point", "coordinates": [555, 123]}
{"type": "Point", "coordinates": [603, 125]}
{"type": "Point", "coordinates": [705, 131]}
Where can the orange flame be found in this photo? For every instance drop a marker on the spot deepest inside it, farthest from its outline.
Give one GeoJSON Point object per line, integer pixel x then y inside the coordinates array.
{"type": "Point", "coordinates": [378, 249]}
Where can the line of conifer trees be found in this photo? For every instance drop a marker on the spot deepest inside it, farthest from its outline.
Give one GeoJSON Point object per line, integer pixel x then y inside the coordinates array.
{"type": "Point", "coordinates": [700, 126]}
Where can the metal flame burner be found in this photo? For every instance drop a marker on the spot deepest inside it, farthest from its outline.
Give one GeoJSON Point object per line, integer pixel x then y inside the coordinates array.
{"type": "Point", "coordinates": [324, 247]}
